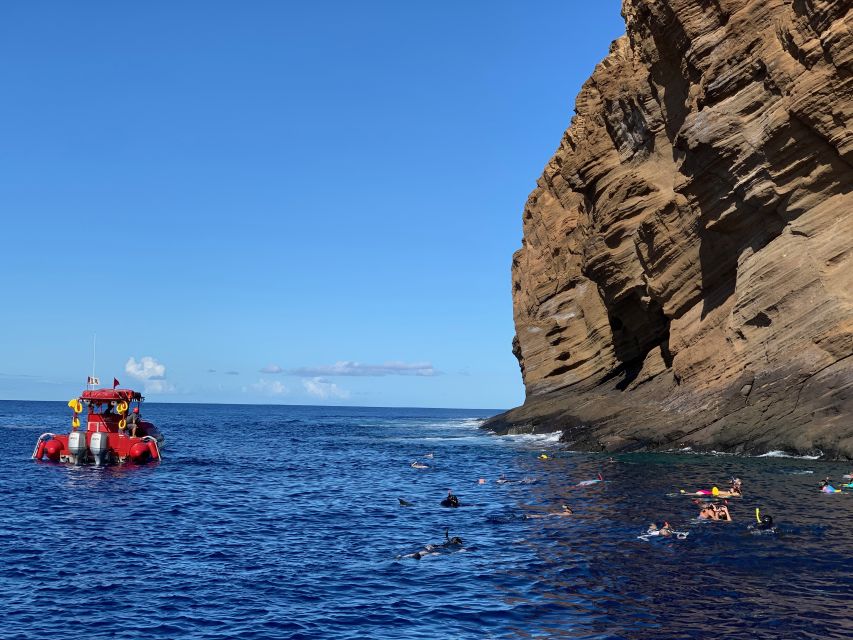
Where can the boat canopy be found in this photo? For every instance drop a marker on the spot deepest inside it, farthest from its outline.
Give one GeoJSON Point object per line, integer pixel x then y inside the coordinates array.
{"type": "Point", "coordinates": [107, 395]}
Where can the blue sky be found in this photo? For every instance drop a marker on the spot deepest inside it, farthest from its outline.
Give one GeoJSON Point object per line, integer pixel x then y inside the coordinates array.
{"type": "Point", "coordinates": [278, 202]}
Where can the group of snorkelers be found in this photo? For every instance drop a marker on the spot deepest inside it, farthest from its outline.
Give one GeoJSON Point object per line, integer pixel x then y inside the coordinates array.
{"type": "Point", "coordinates": [451, 501]}
{"type": "Point", "coordinates": [713, 505]}
{"type": "Point", "coordinates": [711, 509]}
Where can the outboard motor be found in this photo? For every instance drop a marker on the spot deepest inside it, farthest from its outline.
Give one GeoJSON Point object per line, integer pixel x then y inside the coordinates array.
{"type": "Point", "coordinates": [77, 447]}
{"type": "Point", "coordinates": [99, 445]}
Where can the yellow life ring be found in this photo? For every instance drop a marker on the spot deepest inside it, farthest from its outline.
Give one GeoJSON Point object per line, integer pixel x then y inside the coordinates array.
{"type": "Point", "coordinates": [122, 424]}
{"type": "Point", "coordinates": [122, 407]}
{"type": "Point", "coordinates": [75, 405]}
{"type": "Point", "coordinates": [75, 422]}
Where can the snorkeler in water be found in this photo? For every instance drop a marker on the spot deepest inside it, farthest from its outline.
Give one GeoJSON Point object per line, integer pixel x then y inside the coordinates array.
{"type": "Point", "coordinates": [722, 511]}
{"type": "Point", "coordinates": [451, 500]}
{"type": "Point", "coordinates": [502, 479]}
{"type": "Point", "coordinates": [565, 510]}
{"type": "Point", "coordinates": [825, 487]}
{"type": "Point", "coordinates": [735, 490]}
{"type": "Point", "coordinates": [586, 483]}
{"type": "Point", "coordinates": [665, 530]}
{"type": "Point", "coordinates": [707, 511]}
{"type": "Point", "coordinates": [449, 545]}
{"type": "Point", "coordinates": [763, 523]}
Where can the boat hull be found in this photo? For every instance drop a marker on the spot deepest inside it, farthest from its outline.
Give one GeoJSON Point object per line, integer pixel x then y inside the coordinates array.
{"type": "Point", "coordinates": [98, 448]}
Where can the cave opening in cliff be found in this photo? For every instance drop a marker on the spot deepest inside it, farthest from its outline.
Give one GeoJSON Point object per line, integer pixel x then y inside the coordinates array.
{"type": "Point", "coordinates": [638, 326]}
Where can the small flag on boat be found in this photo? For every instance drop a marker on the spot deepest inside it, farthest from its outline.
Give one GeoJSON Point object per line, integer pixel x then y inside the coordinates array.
{"type": "Point", "coordinates": [115, 383]}
{"type": "Point", "coordinates": [93, 380]}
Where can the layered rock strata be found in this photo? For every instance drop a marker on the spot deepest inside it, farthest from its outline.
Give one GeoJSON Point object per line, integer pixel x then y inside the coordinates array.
{"type": "Point", "coordinates": [685, 277]}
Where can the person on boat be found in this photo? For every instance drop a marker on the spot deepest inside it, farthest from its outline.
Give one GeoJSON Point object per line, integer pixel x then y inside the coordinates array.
{"type": "Point", "coordinates": [451, 500]}
{"type": "Point", "coordinates": [108, 410]}
{"type": "Point", "coordinates": [133, 423]}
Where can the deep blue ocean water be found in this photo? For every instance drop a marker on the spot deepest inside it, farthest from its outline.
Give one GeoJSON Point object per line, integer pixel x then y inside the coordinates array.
{"type": "Point", "coordinates": [284, 522]}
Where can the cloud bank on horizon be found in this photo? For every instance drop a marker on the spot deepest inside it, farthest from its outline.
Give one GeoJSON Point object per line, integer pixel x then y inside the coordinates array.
{"type": "Point", "coordinates": [352, 368]}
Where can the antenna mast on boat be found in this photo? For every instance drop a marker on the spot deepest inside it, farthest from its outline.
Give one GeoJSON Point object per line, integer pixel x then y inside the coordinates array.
{"type": "Point", "coordinates": [93, 381]}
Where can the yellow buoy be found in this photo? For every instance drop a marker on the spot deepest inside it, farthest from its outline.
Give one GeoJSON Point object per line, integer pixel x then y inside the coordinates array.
{"type": "Point", "coordinates": [75, 405]}
{"type": "Point", "coordinates": [715, 491]}
{"type": "Point", "coordinates": [122, 424]}
{"type": "Point", "coordinates": [75, 422]}
{"type": "Point", "coordinates": [122, 407]}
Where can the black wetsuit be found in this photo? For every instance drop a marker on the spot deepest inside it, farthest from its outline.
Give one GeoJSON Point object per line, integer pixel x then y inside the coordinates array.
{"type": "Point", "coordinates": [450, 501]}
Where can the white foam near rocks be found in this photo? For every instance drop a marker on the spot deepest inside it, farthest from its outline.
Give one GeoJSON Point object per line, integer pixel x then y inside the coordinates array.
{"type": "Point", "coordinates": [537, 438]}
{"type": "Point", "coordinates": [783, 454]}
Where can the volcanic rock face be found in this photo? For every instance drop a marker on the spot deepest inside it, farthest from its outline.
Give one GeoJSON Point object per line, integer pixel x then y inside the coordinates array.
{"type": "Point", "coordinates": [685, 277]}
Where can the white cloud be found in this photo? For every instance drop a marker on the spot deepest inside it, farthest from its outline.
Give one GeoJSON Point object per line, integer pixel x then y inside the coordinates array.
{"type": "Point", "coordinates": [272, 368]}
{"type": "Point", "coordinates": [268, 388]}
{"type": "Point", "coordinates": [150, 372]}
{"type": "Point", "coordinates": [320, 388]}
{"type": "Point", "coordinates": [350, 368]}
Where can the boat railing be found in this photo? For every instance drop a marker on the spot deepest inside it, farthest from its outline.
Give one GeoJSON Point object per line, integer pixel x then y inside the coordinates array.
{"type": "Point", "coordinates": [43, 437]}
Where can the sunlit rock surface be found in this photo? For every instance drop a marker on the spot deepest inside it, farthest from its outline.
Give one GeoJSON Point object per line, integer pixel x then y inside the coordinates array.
{"type": "Point", "coordinates": [685, 277]}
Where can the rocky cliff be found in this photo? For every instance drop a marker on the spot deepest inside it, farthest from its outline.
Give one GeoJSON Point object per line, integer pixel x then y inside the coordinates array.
{"type": "Point", "coordinates": [685, 277]}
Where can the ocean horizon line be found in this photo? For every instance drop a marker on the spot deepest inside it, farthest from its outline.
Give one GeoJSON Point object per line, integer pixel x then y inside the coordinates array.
{"type": "Point", "coordinates": [267, 404]}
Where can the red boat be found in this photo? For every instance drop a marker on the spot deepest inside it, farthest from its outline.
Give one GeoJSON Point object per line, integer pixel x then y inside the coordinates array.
{"type": "Point", "coordinates": [115, 432]}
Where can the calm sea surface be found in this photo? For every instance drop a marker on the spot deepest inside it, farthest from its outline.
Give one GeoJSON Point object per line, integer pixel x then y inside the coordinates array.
{"type": "Point", "coordinates": [285, 522]}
